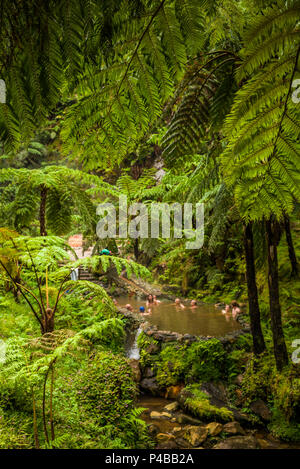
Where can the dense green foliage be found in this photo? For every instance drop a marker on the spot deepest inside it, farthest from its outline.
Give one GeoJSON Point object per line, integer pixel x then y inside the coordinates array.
{"type": "Point", "coordinates": [164, 101]}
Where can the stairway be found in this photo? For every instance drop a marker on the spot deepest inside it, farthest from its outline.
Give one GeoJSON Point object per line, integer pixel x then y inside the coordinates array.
{"type": "Point", "coordinates": [85, 274]}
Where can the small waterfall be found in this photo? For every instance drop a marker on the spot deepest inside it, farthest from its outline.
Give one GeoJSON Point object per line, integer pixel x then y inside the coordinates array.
{"type": "Point", "coordinates": [132, 349]}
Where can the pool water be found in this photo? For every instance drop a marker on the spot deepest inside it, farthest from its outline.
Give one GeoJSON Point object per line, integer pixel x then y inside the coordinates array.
{"type": "Point", "coordinates": [204, 320]}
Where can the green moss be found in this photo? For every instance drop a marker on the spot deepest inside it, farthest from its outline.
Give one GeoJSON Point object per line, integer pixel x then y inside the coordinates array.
{"type": "Point", "coordinates": [200, 406]}
{"type": "Point", "coordinates": [200, 361]}
{"type": "Point", "coordinates": [172, 365]}
{"type": "Point", "coordinates": [145, 343]}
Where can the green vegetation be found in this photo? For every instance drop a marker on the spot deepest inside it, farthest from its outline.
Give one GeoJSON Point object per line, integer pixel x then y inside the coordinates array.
{"type": "Point", "coordinates": [161, 101]}
{"type": "Point", "coordinates": [199, 405]}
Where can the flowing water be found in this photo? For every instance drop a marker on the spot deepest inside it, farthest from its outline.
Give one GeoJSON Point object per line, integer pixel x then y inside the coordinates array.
{"type": "Point", "coordinates": [204, 320]}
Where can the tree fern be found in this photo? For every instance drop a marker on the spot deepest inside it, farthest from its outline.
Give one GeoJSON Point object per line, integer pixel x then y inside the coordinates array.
{"type": "Point", "coordinates": [263, 125]}
{"type": "Point", "coordinates": [121, 58]}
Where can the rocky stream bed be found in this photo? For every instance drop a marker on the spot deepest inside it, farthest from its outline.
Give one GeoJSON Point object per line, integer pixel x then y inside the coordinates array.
{"type": "Point", "coordinates": [172, 428]}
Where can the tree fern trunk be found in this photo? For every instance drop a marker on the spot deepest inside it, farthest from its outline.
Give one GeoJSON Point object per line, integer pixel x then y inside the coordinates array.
{"type": "Point", "coordinates": [136, 249]}
{"type": "Point", "coordinates": [289, 240]}
{"type": "Point", "coordinates": [254, 312]}
{"type": "Point", "coordinates": [44, 191]}
{"type": "Point", "coordinates": [280, 351]}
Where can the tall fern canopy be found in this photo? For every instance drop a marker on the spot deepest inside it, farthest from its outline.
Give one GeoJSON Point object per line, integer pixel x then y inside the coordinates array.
{"type": "Point", "coordinates": [149, 225]}
{"type": "Point", "coordinates": [119, 59]}
{"type": "Point", "coordinates": [262, 157]}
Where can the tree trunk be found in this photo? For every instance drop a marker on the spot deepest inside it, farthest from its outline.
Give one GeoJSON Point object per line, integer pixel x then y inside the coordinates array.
{"type": "Point", "coordinates": [289, 240]}
{"type": "Point", "coordinates": [44, 191]}
{"type": "Point", "coordinates": [280, 351]}
{"type": "Point", "coordinates": [254, 312]}
{"type": "Point", "coordinates": [47, 321]}
{"type": "Point", "coordinates": [136, 249]}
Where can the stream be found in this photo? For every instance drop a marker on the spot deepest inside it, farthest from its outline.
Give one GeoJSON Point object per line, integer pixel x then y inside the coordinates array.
{"type": "Point", "coordinates": [169, 432]}
{"type": "Point", "coordinates": [169, 425]}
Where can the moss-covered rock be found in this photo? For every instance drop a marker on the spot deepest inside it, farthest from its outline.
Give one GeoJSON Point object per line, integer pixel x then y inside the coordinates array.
{"type": "Point", "coordinates": [198, 403]}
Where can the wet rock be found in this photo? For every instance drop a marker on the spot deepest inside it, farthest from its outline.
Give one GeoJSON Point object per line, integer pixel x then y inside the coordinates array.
{"type": "Point", "coordinates": [187, 419]}
{"type": "Point", "coordinates": [182, 443]}
{"type": "Point", "coordinates": [166, 336]}
{"type": "Point", "coordinates": [154, 415]}
{"type": "Point", "coordinates": [238, 442]}
{"type": "Point", "coordinates": [260, 408]}
{"type": "Point", "coordinates": [172, 407]}
{"type": "Point", "coordinates": [264, 444]}
{"type": "Point", "coordinates": [162, 437]}
{"type": "Point", "coordinates": [233, 428]}
{"type": "Point", "coordinates": [172, 392]}
{"type": "Point", "coordinates": [153, 429]}
{"type": "Point", "coordinates": [150, 385]}
{"type": "Point", "coordinates": [177, 430]}
{"type": "Point", "coordinates": [214, 428]}
{"type": "Point", "coordinates": [171, 444]}
{"type": "Point", "coordinates": [135, 366]}
{"type": "Point", "coordinates": [196, 435]}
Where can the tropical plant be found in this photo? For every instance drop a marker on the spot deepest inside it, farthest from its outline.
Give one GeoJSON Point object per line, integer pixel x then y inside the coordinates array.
{"type": "Point", "coordinates": [55, 193]}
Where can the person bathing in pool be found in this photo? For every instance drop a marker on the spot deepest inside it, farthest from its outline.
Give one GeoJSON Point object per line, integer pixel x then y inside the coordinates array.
{"type": "Point", "coordinates": [178, 304]}
{"type": "Point", "coordinates": [150, 301]}
{"type": "Point", "coordinates": [193, 304]}
{"type": "Point", "coordinates": [226, 310]}
{"type": "Point", "coordinates": [155, 300]}
{"type": "Point", "coordinates": [143, 312]}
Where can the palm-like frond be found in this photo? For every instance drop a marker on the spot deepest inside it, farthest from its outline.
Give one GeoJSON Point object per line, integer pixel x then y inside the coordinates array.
{"type": "Point", "coordinates": [263, 127]}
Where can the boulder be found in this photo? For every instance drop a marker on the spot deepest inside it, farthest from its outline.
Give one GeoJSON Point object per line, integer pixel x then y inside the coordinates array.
{"type": "Point", "coordinates": [182, 443]}
{"type": "Point", "coordinates": [150, 385]}
{"type": "Point", "coordinates": [187, 419]}
{"type": "Point", "coordinates": [172, 407]}
{"type": "Point", "coordinates": [153, 429]}
{"type": "Point", "coordinates": [196, 435]}
{"type": "Point", "coordinates": [170, 444]}
{"type": "Point", "coordinates": [217, 396]}
{"type": "Point", "coordinates": [233, 428]}
{"type": "Point", "coordinates": [238, 442]}
{"type": "Point", "coordinates": [172, 392]}
{"type": "Point", "coordinates": [154, 415]}
{"type": "Point", "coordinates": [261, 409]}
{"type": "Point", "coordinates": [214, 428]}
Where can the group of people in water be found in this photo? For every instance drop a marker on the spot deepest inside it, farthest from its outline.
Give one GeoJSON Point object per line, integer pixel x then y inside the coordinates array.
{"type": "Point", "coordinates": [153, 301]}
{"type": "Point", "coordinates": [232, 310]}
